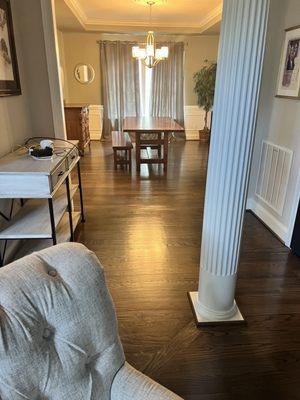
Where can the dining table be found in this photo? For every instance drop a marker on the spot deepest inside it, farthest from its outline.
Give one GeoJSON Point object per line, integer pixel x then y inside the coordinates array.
{"type": "Point", "coordinates": [159, 127]}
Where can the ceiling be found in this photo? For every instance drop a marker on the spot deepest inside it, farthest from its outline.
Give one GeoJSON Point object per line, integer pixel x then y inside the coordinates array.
{"type": "Point", "coordinates": [169, 16]}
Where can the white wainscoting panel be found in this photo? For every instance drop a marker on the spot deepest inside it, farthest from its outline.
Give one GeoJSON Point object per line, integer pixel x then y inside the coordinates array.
{"type": "Point", "coordinates": [273, 175]}
{"type": "Point", "coordinates": [96, 121]}
{"type": "Point", "coordinates": [194, 121]}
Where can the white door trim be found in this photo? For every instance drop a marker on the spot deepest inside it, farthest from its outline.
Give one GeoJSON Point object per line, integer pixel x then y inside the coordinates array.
{"type": "Point", "coordinates": [51, 46]}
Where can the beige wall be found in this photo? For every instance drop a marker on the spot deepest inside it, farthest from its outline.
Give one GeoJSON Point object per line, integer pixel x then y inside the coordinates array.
{"type": "Point", "coordinates": [14, 111]}
{"type": "Point", "coordinates": [197, 50]}
{"type": "Point", "coordinates": [278, 118]}
{"type": "Point", "coordinates": [36, 77]}
{"type": "Point", "coordinates": [83, 48]}
{"type": "Point", "coordinates": [32, 113]}
{"type": "Point", "coordinates": [29, 114]}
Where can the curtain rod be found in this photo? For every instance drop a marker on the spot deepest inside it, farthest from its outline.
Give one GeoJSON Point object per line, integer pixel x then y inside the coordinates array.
{"type": "Point", "coordinates": [143, 33]}
{"type": "Point", "coordinates": [132, 42]}
{"type": "Point", "coordinates": [121, 41]}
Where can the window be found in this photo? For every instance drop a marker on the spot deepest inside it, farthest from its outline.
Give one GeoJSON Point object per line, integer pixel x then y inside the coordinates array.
{"type": "Point", "coordinates": [145, 78]}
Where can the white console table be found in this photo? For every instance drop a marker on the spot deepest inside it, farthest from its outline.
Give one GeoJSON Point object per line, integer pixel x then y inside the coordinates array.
{"type": "Point", "coordinates": [48, 211]}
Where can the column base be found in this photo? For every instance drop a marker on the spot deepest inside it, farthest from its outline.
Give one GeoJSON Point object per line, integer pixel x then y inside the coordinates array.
{"type": "Point", "coordinates": [237, 318]}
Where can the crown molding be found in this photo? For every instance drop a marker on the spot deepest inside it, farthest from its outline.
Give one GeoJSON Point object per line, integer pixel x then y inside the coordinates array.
{"type": "Point", "coordinates": [163, 24]}
{"type": "Point", "coordinates": [77, 11]}
{"type": "Point", "coordinates": [98, 24]}
{"type": "Point", "coordinates": [211, 19]}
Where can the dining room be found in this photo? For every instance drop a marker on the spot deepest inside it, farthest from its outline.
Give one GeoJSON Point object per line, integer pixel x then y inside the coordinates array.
{"type": "Point", "coordinates": [140, 78]}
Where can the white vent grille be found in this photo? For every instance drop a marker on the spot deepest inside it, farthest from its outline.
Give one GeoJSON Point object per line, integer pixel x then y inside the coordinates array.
{"type": "Point", "coordinates": [273, 176]}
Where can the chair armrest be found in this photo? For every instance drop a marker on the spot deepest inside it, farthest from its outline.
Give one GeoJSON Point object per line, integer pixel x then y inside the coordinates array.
{"type": "Point", "coordinates": [130, 384]}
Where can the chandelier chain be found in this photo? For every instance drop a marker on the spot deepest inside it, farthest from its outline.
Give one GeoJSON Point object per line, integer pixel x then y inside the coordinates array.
{"type": "Point", "coordinates": [150, 17]}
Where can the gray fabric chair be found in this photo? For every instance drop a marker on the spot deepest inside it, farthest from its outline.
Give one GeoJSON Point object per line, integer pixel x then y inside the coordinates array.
{"type": "Point", "coordinates": [58, 332]}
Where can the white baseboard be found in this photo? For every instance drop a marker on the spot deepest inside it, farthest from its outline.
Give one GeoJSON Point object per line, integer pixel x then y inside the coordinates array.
{"type": "Point", "coordinates": [96, 121]}
{"type": "Point", "coordinates": [191, 134]}
{"type": "Point", "coordinates": [193, 121]}
{"type": "Point", "coordinates": [270, 220]}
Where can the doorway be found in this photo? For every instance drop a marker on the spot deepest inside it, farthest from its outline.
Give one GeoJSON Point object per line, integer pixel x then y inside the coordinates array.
{"type": "Point", "coordinates": [295, 244]}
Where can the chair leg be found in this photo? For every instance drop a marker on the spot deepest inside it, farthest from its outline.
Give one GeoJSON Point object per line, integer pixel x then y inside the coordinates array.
{"type": "Point", "coordinates": [115, 159]}
{"type": "Point", "coordinates": [125, 159]}
{"type": "Point", "coordinates": [166, 144]}
{"type": "Point", "coordinates": [129, 159]}
{"type": "Point", "coordinates": [138, 151]}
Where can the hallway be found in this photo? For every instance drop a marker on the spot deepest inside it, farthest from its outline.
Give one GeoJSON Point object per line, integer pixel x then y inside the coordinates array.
{"type": "Point", "coordinates": [146, 231]}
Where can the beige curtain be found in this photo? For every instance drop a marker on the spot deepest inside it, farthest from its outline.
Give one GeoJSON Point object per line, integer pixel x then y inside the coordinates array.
{"type": "Point", "coordinates": [120, 84]}
{"type": "Point", "coordinates": [168, 85]}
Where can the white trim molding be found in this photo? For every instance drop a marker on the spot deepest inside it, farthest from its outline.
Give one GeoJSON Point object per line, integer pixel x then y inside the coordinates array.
{"type": "Point", "coordinates": [194, 121]}
{"type": "Point", "coordinates": [211, 19]}
{"type": "Point", "coordinates": [51, 47]}
{"type": "Point", "coordinates": [269, 219]}
{"type": "Point", "coordinates": [96, 121]}
{"type": "Point", "coordinates": [77, 11]}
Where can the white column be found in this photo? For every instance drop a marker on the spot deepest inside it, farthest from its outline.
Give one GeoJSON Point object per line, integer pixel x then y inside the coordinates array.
{"type": "Point", "coordinates": [240, 61]}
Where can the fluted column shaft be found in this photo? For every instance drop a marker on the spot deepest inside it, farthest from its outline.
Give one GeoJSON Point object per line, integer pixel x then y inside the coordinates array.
{"type": "Point", "coordinates": [240, 61]}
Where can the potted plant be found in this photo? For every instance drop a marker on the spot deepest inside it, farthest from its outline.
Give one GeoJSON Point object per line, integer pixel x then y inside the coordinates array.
{"type": "Point", "coordinates": [205, 81]}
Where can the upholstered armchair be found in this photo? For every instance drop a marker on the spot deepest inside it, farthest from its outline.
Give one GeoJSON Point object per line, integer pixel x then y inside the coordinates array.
{"type": "Point", "coordinates": [58, 332]}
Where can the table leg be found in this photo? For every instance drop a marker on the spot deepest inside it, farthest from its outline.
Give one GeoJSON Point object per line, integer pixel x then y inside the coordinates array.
{"type": "Point", "coordinates": [52, 221]}
{"type": "Point", "coordinates": [70, 208]}
{"type": "Point", "coordinates": [138, 151]}
{"type": "Point", "coordinates": [166, 145]}
{"type": "Point", "coordinates": [159, 146]}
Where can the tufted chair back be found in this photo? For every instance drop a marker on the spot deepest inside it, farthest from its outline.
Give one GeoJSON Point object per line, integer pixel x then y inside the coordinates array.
{"type": "Point", "coordinates": [58, 337]}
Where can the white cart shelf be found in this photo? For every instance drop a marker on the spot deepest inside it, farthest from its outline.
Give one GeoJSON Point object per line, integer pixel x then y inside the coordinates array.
{"type": "Point", "coordinates": [62, 233]}
{"type": "Point", "coordinates": [47, 216]}
{"type": "Point", "coordinates": [33, 222]}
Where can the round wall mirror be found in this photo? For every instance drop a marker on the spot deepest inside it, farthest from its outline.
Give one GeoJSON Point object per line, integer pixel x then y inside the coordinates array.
{"type": "Point", "coordinates": [84, 73]}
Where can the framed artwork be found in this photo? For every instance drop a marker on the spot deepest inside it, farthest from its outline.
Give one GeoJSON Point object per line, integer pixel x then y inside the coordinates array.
{"type": "Point", "coordinates": [289, 71]}
{"type": "Point", "coordinates": [9, 73]}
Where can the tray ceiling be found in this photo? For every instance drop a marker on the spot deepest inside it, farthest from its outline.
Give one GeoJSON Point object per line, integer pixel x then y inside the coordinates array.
{"type": "Point", "coordinates": [177, 16]}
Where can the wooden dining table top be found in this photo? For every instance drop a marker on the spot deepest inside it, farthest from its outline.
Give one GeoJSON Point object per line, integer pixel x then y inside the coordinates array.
{"type": "Point", "coordinates": [151, 124]}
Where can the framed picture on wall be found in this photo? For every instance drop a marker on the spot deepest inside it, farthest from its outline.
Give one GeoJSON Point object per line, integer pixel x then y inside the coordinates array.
{"type": "Point", "coordinates": [9, 73]}
{"type": "Point", "coordinates": [289, 71]}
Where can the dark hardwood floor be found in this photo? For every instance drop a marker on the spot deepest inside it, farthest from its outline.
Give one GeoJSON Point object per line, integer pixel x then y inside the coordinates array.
{"type": "Point", "coordinates": [146, 231]}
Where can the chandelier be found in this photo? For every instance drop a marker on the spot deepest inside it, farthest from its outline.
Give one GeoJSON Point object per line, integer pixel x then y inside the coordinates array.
{"type": "Point", "coordinates": [150, 55]}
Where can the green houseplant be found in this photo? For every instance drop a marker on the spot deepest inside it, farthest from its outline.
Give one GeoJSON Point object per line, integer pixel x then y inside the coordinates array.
{"type": "Point", "coordinates": [205, 81]}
